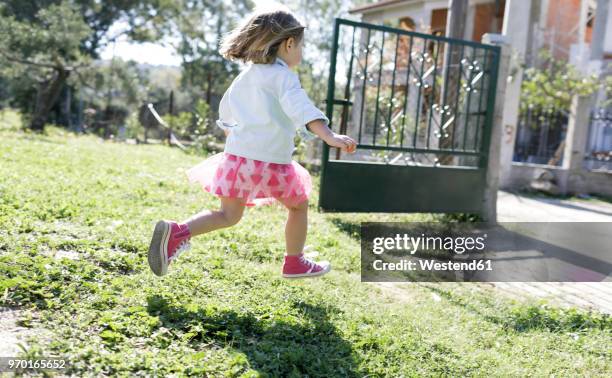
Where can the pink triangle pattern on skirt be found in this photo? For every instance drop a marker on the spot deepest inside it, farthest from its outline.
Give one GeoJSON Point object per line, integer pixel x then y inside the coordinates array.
{"type": "Point", "coordinates": [256, 181]}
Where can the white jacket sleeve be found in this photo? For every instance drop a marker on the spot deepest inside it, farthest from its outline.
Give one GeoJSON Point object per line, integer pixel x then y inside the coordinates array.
{"type": "Point", "coordinates": [226, 120]}
{"type": "Point", "coordinates": [297, 106]}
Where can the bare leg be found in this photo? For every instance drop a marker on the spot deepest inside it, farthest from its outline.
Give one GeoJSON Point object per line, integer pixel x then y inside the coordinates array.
{"type": "Point", "coordinates": [209, 220]}
{"type": "Point", "coordinates": [296, 228]}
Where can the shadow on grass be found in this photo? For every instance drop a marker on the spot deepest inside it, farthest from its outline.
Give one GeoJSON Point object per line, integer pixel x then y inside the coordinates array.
{"type": "Point", "coordinates": [38, 137]}
{"type": "Point", "coordinates": [352, 229]}
{"type": "Point", "coordinates": [312, 347]}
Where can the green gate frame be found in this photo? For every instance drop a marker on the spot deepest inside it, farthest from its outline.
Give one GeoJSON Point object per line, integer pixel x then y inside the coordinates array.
{"type": "Point", "coordinates": [351, 186]}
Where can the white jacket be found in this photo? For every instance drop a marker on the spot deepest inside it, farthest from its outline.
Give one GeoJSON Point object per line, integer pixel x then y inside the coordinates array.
{"type": "Point", "coordinates": [263, 108]}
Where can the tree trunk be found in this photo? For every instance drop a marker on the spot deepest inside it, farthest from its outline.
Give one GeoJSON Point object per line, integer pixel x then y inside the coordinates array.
{"type": "Point", "coordinates": [171, 113]}
{"type": "Point", "coordinates": [209, 87]}
{"type": "Point", "coordinates": [48, 94]}
{"type": "Point", "coordinates": [558, 155]}
{"type": "Point", "coordinates": [455, 28]}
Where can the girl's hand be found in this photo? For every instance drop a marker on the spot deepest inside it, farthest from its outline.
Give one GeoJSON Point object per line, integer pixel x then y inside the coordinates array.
{"type": "Point", "coordinates": [344, 142]}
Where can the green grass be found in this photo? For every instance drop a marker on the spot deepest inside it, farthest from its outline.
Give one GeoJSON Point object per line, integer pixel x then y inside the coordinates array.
{"type": "Point", "coordinates": [224, 310]}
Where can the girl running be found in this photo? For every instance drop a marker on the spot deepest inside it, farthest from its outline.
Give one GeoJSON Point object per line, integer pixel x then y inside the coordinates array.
{"type": "Point", "coordinates": [260, 113]}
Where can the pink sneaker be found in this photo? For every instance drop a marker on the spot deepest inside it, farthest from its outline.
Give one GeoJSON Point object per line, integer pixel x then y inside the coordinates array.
{"type": "Point", "coordinates": [169, 240]}
{"type": "Point", "coordinates": [299, 266]}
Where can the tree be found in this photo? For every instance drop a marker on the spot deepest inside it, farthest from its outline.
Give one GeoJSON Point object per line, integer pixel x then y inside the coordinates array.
{"type": "Point", "coordinates": [199, 26]}
{"type": "Point", "coordinates": [115, 88]}
{"type": "Point", "coordinates": [46, 52]}
{"type": "Point", "coordinates": [455, 28]}
{"type": "Point", "coordinates": [554, 84]}
{"type": "Point", "coordinates": [45, 42]}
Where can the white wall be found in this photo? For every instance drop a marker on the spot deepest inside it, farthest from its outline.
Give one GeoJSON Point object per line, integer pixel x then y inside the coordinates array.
{"type": "Point", "coordinates": [607, 48]}
{"type": "Point", "coordinates": [420, 12]}
{"type": "Point", "coordinates": [416, 11]}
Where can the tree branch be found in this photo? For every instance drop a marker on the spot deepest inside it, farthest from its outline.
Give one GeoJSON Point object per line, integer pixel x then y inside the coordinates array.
{"type": "Point", "coordinates": [57, 66]}
{"type": "Point", "coordinates": [83, 80]}
{"type": "Point", "coordinates": [29, 62]}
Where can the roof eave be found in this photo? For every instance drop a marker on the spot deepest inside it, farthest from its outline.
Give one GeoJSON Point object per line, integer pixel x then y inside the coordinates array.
{"type": "Point", "coordinates": [369, 8]}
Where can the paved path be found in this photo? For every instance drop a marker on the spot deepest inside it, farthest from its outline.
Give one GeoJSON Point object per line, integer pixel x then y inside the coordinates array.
{"type": "Point", "coordinates": [512, 207]}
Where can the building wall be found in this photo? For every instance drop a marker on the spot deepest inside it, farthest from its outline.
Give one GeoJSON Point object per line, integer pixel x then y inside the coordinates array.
{"type": "Point", "coordinates": [487, 19]}
{"type": "Point", "coordinates": [416, 11]}
{"type": "Point", "coordinates": [438, 20]}
{"type": "Point", "coordinates": [608, 40]}
{"type": "Point", "coordinates": [561, 30]}
{"type": "Point", "coordinates": [522, 174]}
{"type": "Point", "coordinates": [431, 16]}
{"type": "Point", "coordinates": [558, 29]}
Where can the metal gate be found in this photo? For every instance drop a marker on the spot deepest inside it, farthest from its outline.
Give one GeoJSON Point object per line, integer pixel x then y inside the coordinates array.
{"type": "Point", "coordinates": [420, 108]}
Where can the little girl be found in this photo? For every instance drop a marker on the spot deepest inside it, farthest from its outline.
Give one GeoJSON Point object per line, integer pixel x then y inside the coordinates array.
{"type": "Point", "coordinates": [260, 113]}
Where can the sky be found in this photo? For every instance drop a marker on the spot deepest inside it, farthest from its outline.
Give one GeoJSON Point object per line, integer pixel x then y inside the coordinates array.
{"type": "Point", "coordinates": [152, 53]}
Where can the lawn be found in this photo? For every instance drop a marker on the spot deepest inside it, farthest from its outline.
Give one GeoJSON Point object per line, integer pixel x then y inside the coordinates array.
{"type": "Point", "coordinates": [76, 215]}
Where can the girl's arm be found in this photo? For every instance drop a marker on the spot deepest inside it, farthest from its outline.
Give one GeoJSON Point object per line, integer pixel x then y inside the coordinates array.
{"type": "Point", "coordinates": [297, 105]}
{"type": "Point", "coordinates": [319, 127]}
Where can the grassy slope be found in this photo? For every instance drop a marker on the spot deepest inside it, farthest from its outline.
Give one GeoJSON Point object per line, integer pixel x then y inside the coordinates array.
{"type": "Point", "coordinates": [223, 309]}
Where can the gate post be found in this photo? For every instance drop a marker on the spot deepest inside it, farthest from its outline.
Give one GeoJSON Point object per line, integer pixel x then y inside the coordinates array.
{"type": "Point", "coordinates": [489, 208]}
{"type": "Point", "coordinates": [575, 143]}
{"type": "Point", "coordinates": [517, 29]}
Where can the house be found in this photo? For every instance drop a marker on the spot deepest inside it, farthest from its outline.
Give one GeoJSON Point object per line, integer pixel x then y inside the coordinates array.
{"type": "Point", "coordinates": [564, 27]}
{"type": "Point", "coordinates": [430, 16]}
{"type": "Point", "coordinates": [408, 85]}
{"type": "Point", "coordinates": [576, 31]}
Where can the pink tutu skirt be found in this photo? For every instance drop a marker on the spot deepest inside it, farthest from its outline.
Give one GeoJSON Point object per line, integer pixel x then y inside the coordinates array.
{"type": "Point", "coordinates": [256, 181]}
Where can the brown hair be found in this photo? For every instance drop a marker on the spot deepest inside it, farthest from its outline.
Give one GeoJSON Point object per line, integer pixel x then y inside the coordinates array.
{"type": "Point", "coordinates": [258, 39]}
